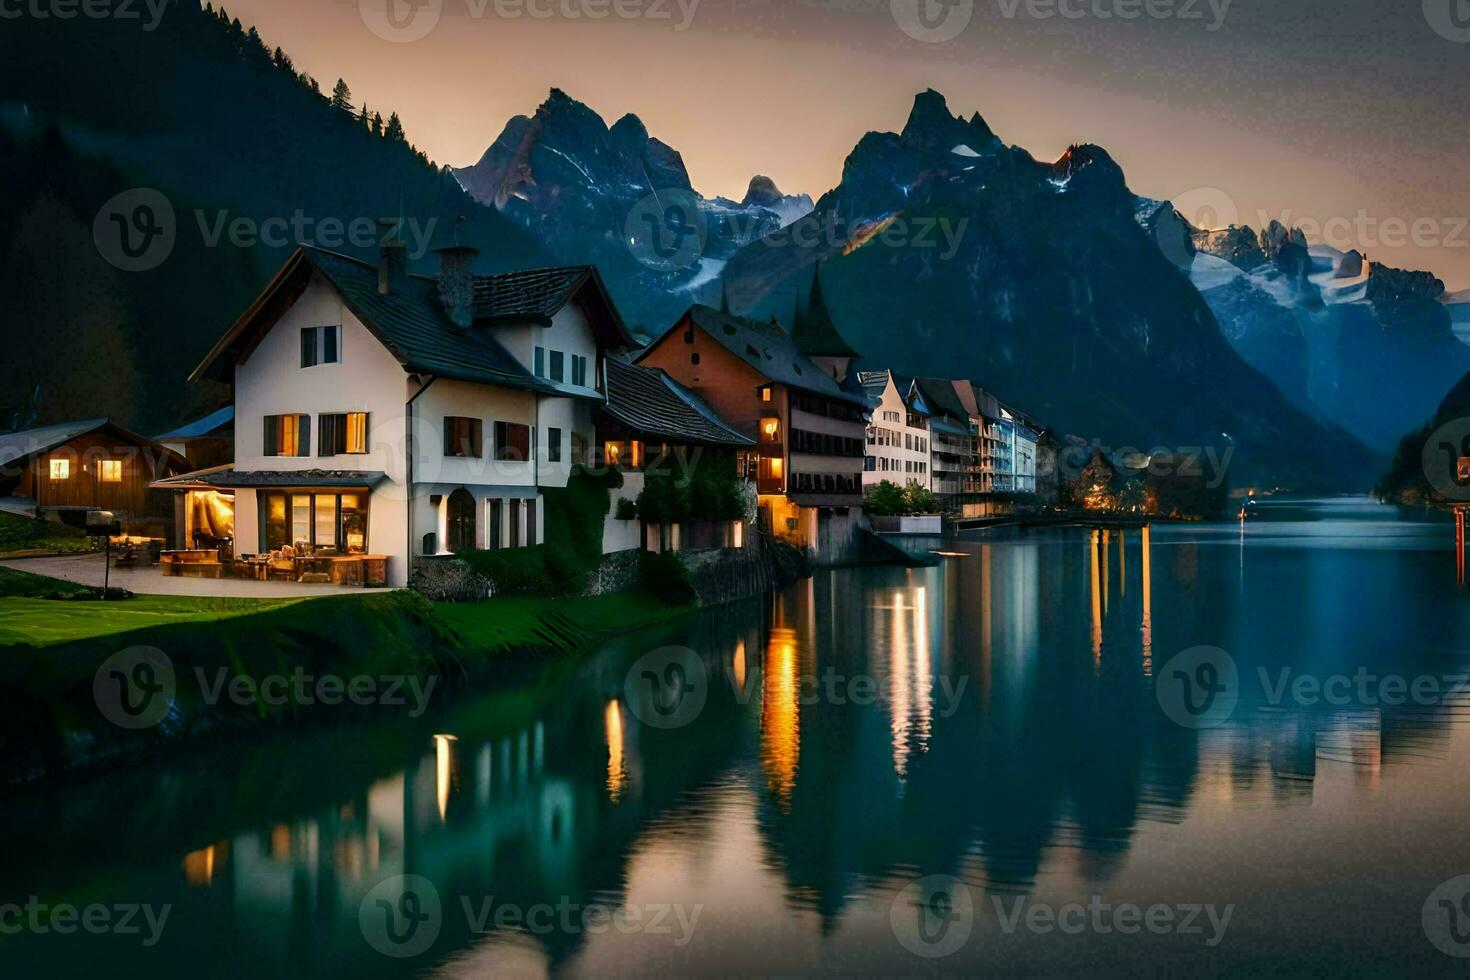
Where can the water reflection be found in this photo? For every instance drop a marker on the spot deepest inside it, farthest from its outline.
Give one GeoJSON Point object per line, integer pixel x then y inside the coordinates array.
{"type": "Point", "coordinates": [1008, 735]}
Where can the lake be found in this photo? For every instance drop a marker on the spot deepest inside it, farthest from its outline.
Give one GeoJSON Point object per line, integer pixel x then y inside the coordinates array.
{"type": "Point", "coordinates": [1204, 748]}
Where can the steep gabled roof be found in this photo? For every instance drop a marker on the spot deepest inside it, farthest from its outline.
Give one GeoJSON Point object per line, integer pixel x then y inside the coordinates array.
{"type": "Point", "coordinates": [766, 348]}
{"type": "Point", "coordinates": [410, 320]}
{"type": "Point", "coordinates": [942, 397]}
{"type": "Point", "coordinates": [31, 442]}
{"type": "Point", "coordinates": [648, 400]}
{"type": "Point", "coordinates": [814, 332]}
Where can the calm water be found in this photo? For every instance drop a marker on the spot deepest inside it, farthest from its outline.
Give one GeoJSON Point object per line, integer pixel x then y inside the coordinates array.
{"type": "Point", "coordinates": [884, 764]}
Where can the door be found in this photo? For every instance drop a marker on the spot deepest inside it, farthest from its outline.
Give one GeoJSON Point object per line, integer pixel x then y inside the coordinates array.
{"type": "Point", "coordinates": [461, 521]}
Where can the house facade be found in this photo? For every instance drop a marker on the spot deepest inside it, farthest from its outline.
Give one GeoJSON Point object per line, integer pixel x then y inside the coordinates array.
{"type": "Point", "coordinates": [898, 437]}
{"type": "Point", "coordinates": [392, 415]}
{"type": "Point", "coordinates": [808, 423]}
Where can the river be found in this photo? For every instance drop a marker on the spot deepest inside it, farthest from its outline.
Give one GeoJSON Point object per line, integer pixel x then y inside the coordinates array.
{"type": "Point", "coordinates": [1209, 748]}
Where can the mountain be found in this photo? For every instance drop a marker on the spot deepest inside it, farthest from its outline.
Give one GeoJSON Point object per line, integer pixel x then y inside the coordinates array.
{"type": "Point", "coordinates": [945, 251]}
{"type": "Point", "coordinates": [198, 129]}
{"type": "Point", "coordinates": [1424, 470]}
{"type": "Point", "coordinates": [1346, 339]}
{"type": "Point", "coordinates": [618, 198]}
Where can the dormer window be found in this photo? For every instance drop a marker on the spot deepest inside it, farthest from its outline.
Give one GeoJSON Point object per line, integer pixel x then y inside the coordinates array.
{"type": "Point", "coordinates": [321, 345]}
{"type": "Point", "coordinates": [539, 362]}
{"type": "Point", "coordinates": [558, 366]}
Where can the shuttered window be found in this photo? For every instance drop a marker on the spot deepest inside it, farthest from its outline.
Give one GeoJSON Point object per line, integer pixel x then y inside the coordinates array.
{"type": "Point", "coordinates": [512, 442]}
{"type": "Point", "coordinates": [287, 435]}
{"type": "Point", "coordinates": [342, 433]}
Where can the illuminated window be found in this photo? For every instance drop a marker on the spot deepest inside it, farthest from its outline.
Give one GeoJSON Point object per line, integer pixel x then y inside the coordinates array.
{"type": "Point", "coordinates": [636, 455]}
{"type": "Point", "coordinates": [61, 469]}
{"type": "Point", "coordinates": [774, 469]}
{"type": "Point", "coordinates": [342, 433]}
{"type": "Point", "coordinates": [287, 435]}
{"type": "Point", "coordinates": [766, 393]}
{"type": "Point", "coordinates": [110, 470]}
{"type": "Point", "coordinates": [770, 430]}
{"type": "Point", "coordinates": [612, 453]}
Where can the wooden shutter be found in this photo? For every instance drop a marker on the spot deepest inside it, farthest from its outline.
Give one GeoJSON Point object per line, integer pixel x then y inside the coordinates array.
{"type": "Point", "coordinates": [303, 429]}
{"type": "Point", "coordinates": [272, 435]}
{"type": "Point", "coordinates": [308, 347]}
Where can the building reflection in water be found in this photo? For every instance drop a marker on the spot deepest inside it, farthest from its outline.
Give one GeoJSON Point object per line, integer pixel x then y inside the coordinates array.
{"type": "Point", "coordinates": [1096, 590]}
{"type": "Point", "coordinates": [443, 771]}
{"type": "Point", "coordinates": [1148, 598]}
{"type": "Point", "coordinates": [910, 692]}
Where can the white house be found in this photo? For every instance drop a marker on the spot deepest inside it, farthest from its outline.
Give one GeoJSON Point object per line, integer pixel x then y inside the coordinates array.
{"type": "Point", "coordinates": [898, 435]}
{"type": "Point", "coordinates": [385, 414]}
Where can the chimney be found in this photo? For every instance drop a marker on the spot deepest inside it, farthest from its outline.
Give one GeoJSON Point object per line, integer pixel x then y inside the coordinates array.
{"type": "Point", "coordinates": [392, 255]}
{"type": "Point", "coordinates": [457, 283]}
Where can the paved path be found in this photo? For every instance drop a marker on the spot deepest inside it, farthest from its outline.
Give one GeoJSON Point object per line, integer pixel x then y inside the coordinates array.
{"type": "Point", "coordinates": [146, 580]}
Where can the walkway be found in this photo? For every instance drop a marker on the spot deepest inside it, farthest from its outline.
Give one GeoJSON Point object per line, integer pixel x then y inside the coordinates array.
{"type": "Point", "coordinates": [146, 580]}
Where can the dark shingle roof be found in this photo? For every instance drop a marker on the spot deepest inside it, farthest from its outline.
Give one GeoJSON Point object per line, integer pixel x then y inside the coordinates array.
{"type": "Point", "coordinates": [228, 478]}
{"type": "Point", "coordinates": [770, 351]}
{"type": "Point", "coordinates": [411, 323]}
{"type": "Point", "coordinates": [648, 400]}
{"type": "Point", "coordinates": [29, 442]}
{"type": "Point", "coordinates": [535, 293]}
{"type": "Point", "coordinates": [201, 427]}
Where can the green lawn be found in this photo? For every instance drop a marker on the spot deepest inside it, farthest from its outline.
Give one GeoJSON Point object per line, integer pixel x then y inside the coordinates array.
{"type": "Point", "coordinates": [562, 623]}
{"type": "Point", "coordinates": [22, 534]}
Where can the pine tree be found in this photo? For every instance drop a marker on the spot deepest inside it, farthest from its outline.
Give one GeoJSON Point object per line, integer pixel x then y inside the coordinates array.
{"type": "Point", "coordinates": [395, 129]}
{"type": "Point", "coordinates": [283, 61]}
{"type": "Point", "coordinates": [362, 117]}
{"type": "Point", "coordinates": [377, 124]}
{"type": "Point", "coordinates": [342, 98]}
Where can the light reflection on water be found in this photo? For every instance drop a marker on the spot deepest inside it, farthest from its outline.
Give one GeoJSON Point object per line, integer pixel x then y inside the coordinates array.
{"type": "Point", "coordinates": [1010, 737]}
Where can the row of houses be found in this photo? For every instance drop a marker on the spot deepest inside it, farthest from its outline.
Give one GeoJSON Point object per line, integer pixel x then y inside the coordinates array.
{"type": "Point", "coordinates": [387, 417]}
{"type": "Point", "coordinates": [951, 437]}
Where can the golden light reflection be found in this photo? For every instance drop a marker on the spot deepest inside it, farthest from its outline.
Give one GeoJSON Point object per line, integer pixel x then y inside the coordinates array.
{"type": "Point", "coordinates": [738, 665]}
{"type": "Point", "coordinates": [1096, 603]}
{"type": "Point", "coordinates": [780, 717]}
{"type": "Point", "coordinates": [911, 695]}
{"type": "Point", "coordinates": [617, 773]}
{"type": "Point", "coordinates": [1107, 561]}
{"type": "Point", "coordinates": [444, 770]}
{"type": "Point", "coordinates": [1148, 616]}
{"type": "Point", "coordinates": [199, 866]}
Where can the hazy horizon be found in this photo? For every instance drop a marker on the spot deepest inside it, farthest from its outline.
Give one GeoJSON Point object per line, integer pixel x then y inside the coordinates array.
{"type": "Point", "coordinates": [1338, 117]}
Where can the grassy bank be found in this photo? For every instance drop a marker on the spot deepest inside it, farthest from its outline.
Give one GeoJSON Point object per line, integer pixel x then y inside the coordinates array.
{"type": "Point", "coordinates": [51, 650]}
{"type": "Point", "coordinates": [25, 536]}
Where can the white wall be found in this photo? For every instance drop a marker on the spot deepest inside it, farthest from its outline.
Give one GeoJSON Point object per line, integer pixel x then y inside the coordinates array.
{"type": "Point", "coordinates": [622, 535]}
{"type": "Point", "coordinates": [898, 458]}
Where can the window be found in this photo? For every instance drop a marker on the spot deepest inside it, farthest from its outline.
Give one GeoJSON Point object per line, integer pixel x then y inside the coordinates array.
{"type": "Point", "coordinates": [558, 363]}
{"type": "Point", "coordinates": [540, 362]}
{"type": "Point", "coordinates": [766, 393]}
{"type": "Point", "coordinates": [463, 437]}
{"type": "Point", "coordinates": [579, 370]}
{"type": "Point", "coordinates": [770, 430]}
{"type": "Point", "coordinates": [320, 345]}
{"type": "Point", "coordinates": [321, 522]}
{"type": "Point", "coordinates": [342, 434]}
{"type": "Point", "coordinates": [287, 435]}
{"type": "Point", "coordinates": [60, 469]}
{"type": "Point", "coordinates": [773, 467]}
{"type": "Point", "coordinates": [109, 470]}
{"type": "Point", "coordinates": [553, 445]}
{"type": "Point", "coordinates": [512, 442]}
{"type": "Point", "coordinates": [694, 358]}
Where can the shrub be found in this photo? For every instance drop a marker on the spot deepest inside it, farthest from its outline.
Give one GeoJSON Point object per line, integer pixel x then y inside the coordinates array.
{"type": "Point", "coordinates": [887, 499]}
{"type": "Point", "coordinates": [663, 574]}
{"type": "Point", "coordinates": [627, 510]}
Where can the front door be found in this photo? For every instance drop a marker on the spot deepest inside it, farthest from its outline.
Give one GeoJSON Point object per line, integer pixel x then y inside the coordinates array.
{"type": "Point", "coordinates": [461, 521]}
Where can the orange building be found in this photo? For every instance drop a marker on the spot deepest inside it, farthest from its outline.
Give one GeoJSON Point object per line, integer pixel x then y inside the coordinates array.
{"type": "Point", "coordinates": [793, 393]}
